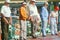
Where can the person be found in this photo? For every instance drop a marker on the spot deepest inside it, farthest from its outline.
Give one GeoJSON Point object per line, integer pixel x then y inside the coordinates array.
{"type": "Point", "coordinates": [23, 16]}
{"type": "Point", "coordinates": [34, 18]}
{"type": "Point", "coordinates": [53, 20]}
{"type": "Point", "coordinates": [44, 18]}
{"type": "Point", "coordinates": [6, 19]}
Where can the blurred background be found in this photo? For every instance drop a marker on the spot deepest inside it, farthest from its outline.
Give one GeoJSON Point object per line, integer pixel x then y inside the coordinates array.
{"type": "Point", "coordinates": [15, 4]}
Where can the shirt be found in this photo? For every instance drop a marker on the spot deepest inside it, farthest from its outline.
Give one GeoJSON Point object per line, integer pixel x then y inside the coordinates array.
{"type": "Point", "coordinates": [44, 13]}
{"type": "Point", "coordinates": [23, 13]}
{"type": "Point", "coordinates": [6, 11]}
{"type": "Point", "coordinates": [54, 14]}
{"type": "Point", "coordinates": [33, 10]}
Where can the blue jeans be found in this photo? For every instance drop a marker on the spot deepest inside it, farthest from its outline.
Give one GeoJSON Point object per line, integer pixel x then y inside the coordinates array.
{"type": "Point", "coordinates": [53, 25]}
{"type": "Point", "coordinates": [44, 26]}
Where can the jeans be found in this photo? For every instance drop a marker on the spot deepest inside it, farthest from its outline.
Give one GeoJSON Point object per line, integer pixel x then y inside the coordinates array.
{"type": "Point", "coordinates": [44, 26]}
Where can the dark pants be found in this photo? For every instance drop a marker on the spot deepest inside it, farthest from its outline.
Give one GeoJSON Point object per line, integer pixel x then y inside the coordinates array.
{"type": "Point", "coordinates": [31, 28]}
{"type": "Point", "coordinates": [34, 28]}
{"type": "Point", "coordinates": [34, 25]}
{"type": "Point", "coordinates": [4, 28]}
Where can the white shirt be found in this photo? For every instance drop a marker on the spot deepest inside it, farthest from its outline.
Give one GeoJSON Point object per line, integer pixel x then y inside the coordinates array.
{"type": "Point", "coordinates": [54, 14]}
{"type": "Point", "coordinates": [33, 10]}
{"type": "Point", "coordinates": [6, 11]}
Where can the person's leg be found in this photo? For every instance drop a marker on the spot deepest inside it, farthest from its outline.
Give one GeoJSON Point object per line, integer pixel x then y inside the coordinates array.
{"type": "Point", "coordinates": [22, 26]}
{"type": "Point", "coordinates": [31, 28]}
{"type": "Point", "coordinates": [2, 28]}
{"type": "Point", "coordinates": [44, 25]}
{"type": "Point", "coordinates": [52, 29]}
{"type": "Point", "coordinates": [55, 28]}
{"type": "Point", "coordinates": [6, 31]}
{"type": "Point", "coordinates": [35, 25]}
{"type": "Point", "coordinates": [34, 28]}
{"type": "Point", "coordinates": [25, 31]}
{"type": "Point", "coordinates": [52, 26]}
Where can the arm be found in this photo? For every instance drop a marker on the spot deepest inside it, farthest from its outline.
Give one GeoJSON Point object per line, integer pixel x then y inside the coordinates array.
{"type": "Point", "coordinates": [48, 19]}
{"type": "Point", "coordinates": [10, 22]}
{"type": "Point", "coordinates": [2, 12]}
{"type": "Point", "coordinates": [57, 19]}
{"type": "Point", "coordinates": [42, 13]}
{"type": "Point", "coordinates": [4, 18]}
{"type": "Point", "coordinates": [22, 11]}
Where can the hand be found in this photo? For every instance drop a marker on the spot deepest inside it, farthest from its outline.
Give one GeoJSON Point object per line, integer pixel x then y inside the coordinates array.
{"type": "Point", "coordinates": [32, 19]}
{"type": "Point", "coordinates": [5, 20]}
{"type": "Point", "coordinates": [10, 22]}
{"type": "Point", "coordinates": [29, 17]}
{"type": "Point", "coordinates": [48, 22]}
{"type": "Point", "coordinates": [56, 22]}
{"type": "Point", "coordinates": [37, 18]}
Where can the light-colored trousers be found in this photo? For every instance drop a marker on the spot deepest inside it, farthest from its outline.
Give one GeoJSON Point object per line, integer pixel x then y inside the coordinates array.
{"type": "Point", "coordinates": [35, 24]}
{"type": "Point", "coordinates": [53, 25]}
{"type": "Point", "coordinates": [44, 26]}
{"type": "Point", "coordinates": [23, 29]}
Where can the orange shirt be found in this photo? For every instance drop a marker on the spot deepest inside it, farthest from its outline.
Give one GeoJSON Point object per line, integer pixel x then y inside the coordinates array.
{"type": "Point", "coordinates": [23, 13]}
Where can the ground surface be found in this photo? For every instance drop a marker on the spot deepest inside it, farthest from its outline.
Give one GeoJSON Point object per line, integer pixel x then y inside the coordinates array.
{"type": "Point", "coordinates": [48, 37]}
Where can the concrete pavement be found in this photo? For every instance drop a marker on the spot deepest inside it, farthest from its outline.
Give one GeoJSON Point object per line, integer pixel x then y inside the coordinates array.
{"type": "Point", "coordinates": [48, 37]}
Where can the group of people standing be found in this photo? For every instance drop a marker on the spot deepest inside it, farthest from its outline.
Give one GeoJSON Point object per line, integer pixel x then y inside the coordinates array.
{"type": "Point", "coordinates": [33, 16]}
{"type": "Point", "coordinates": [49, 18]}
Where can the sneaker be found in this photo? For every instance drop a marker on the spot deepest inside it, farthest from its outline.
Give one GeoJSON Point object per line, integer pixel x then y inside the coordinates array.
{"type": "Point", "coordinates": [56, 34]}
{"type": "Point", "coordinates": [21, 38]}
{"type": "Point", "coordinates": [24, 39]}
{"type": "Point", "coordinates": [34, 36]}
{"type": "Point", "coordinates": [44, 35]}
